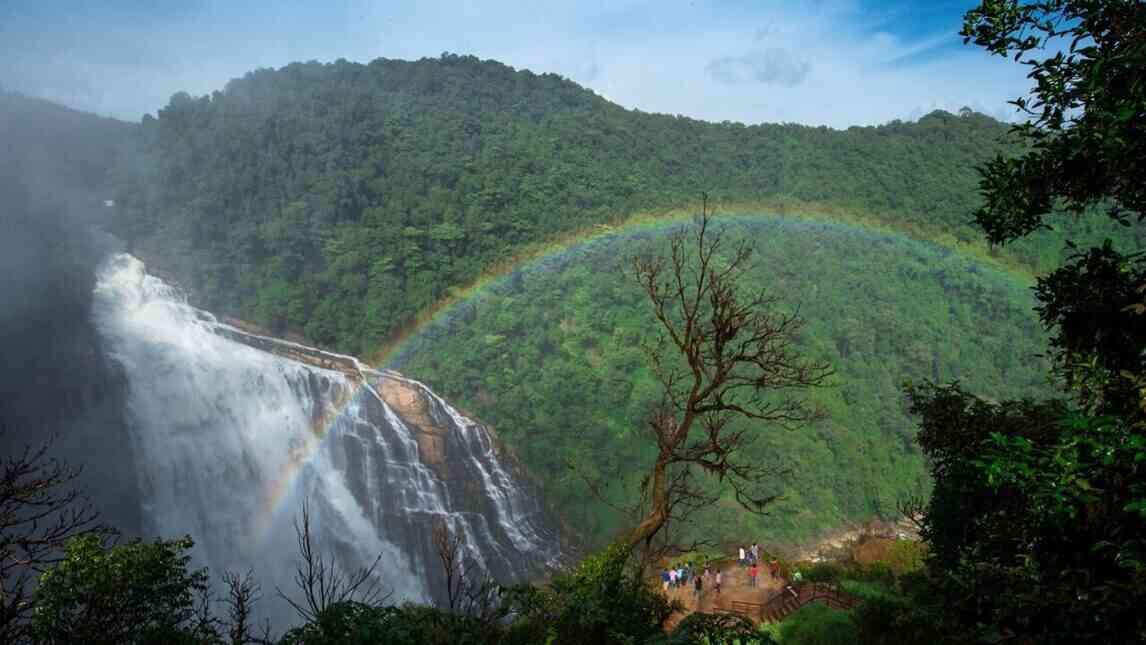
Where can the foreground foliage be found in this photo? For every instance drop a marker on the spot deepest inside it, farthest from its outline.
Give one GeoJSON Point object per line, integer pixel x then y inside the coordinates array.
{"type": "Point", "coordinates": [102, 592]}
{"type": "Point", "coordinates": [39, 515]}
{"type": "Point", "coordinates": [1085, 137]}
{"type": "Point", "coordinates": [138, 592]}
{"type": "Point", "coordinates": [715, 629]}
{"type": "Point", "coordinates": [816, 624]}
{"type": "Point", "coordinates": [605, 599]}
{"type": "Point", "coordinates": [1038, 518]}
{"type": "Point", "coordinates": [145, 593]}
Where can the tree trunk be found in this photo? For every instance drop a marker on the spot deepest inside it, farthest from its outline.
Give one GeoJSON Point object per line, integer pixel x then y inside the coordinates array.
{"type": "Point", "coordinates": [654, 520]}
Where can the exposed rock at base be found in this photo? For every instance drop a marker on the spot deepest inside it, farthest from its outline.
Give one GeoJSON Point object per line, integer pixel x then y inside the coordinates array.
{"type": "Point", "coordinates": [840, 542]}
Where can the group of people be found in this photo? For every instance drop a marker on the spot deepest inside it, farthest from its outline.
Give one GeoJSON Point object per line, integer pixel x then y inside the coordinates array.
{"type": "Point", "coordinates": [685, 576]}
{"type": "Point", "coordinates": [750, 558]}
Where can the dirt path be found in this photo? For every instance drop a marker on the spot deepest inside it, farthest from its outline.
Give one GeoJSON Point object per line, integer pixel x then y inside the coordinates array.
{"type": "Point", "coordinates": [735, 587]}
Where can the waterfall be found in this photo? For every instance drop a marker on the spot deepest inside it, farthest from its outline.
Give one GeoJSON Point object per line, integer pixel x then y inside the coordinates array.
{"type": "Point", "coordinates": [231, 437]}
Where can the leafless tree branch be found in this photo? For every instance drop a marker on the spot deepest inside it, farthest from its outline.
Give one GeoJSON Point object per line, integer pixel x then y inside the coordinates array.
{"type": "Point", "coordinates": [243, 591]}
{"type": "Point", "coordinates": [912, 508]}
{"type": "Point", "coordinates": [39, 512]}
{"type": "Point", "coordinates": [323, 582]}
{"type": "Point", "coordinates": [470, 591]}
{"type": "Point", "coordinates": [723, 352]}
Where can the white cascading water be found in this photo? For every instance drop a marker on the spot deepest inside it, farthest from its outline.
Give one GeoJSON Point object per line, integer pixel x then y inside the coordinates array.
{"type": "Point", "coordinates": [230, 440]}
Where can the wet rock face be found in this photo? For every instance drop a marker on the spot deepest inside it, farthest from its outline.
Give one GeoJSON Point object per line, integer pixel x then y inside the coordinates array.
{"type": "Point", "coordinates": [414, 408]}
{"type": "Point", "coordinates": [443, 469]}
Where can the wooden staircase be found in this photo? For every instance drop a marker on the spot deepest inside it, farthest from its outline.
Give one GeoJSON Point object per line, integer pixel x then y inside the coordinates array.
{"type": "Point", "coordinates": [791, 598]}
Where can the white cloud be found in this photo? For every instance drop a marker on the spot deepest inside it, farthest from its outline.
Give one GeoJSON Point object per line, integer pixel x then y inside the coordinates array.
{"type": "Point", "coordinates": [771, 65]}
{"type": "Point", "coordinates": [811, 62]}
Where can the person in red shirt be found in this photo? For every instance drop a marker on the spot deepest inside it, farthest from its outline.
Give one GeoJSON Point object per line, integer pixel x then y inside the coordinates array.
{"type": "Point", "coordinates": [753, 571]}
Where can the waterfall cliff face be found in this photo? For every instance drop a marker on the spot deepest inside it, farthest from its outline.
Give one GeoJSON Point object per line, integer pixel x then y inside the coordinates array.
{"type": "Point", "coordinates": [233, 431]}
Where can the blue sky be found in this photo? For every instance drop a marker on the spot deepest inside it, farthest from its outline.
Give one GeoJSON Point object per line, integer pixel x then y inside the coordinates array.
{"type": "Point", "coordinates": [818, 62]}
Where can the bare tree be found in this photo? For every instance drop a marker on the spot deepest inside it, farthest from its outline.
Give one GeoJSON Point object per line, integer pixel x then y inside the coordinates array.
{"type": "Point", "coordinates": [39, 513]}
{"type": "Point", "coordinates": [324, 582]}
{"type": "Point", "coordinates": [243, 591]}
{"type": "Point", "coordinates": [912, 506]}
{"type": "Point", "coordinates": [723, 351]}
{"type": "Point", "coordinates": [470, 591]}
{"type": "Point", "coordinates": [203, 626]}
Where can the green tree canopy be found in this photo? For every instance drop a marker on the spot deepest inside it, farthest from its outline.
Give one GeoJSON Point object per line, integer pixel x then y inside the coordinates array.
{"type": "Point", "coordinates": [1086, 132]}
{"type": "Point", "coordinates": [139, 592]}
{"type": "Point", "coordinates": [1038, 518]}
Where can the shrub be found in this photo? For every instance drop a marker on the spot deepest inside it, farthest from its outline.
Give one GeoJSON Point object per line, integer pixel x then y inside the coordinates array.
{"type": "Point", "coordinates": [605, 599]}
{"type": "Point", "coordinates": [824, 572]}
{"type": "Point", "coordinates": [906, 556]}
{"type": "Point", "coordinates": [875, 618]}
{"type": "Point", "coordinates": [716, 628]}
{"type": "Point", "coordinates": [878, 572]}
{"type": "Point", "coordinates": [355, 623]}
{"type": "Point", "coordinates": [816, 624]}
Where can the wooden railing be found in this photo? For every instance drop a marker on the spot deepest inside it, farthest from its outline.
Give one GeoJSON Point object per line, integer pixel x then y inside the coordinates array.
{"type": "Point", "coordinates": [832, 596]}
{"type": "Point", "coordinates": [792, 597]}
{"type": "Point", "coordinates": [746, 609]}
{"type": "Point", "coordinates": [776, 604]}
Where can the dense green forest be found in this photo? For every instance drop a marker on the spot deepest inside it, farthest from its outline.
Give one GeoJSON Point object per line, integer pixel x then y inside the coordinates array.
{"type": "Point", "coordinates": [339, 200]}
{"type": "Point", "coordinates": [551, 356]}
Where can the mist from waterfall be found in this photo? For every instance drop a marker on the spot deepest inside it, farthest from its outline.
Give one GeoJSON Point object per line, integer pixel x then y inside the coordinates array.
{"type": "Point", "coordinates": [230, 440]}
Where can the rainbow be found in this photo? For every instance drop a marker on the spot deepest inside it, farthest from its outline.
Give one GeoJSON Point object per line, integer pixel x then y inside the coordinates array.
{"type": "Point", "coordinates": [279, 489]}
{"type": "Point", "coordinates": [667, 219]}
{"type": "Point", "coordinates": [354, 375]}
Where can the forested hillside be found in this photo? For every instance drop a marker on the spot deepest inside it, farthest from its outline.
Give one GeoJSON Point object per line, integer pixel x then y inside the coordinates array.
{"type": "Point", "coordinates": [338, 200]}
{"type": "Point", "coordinates": [551, 355]}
